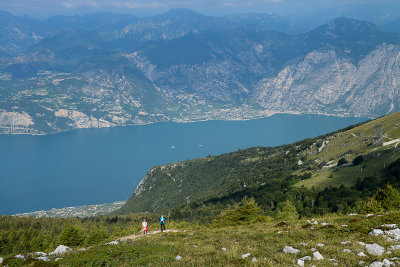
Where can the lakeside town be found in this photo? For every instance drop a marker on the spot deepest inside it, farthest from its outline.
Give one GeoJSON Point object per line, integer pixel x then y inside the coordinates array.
{"type": "Point", "coordinates": [79, 211]}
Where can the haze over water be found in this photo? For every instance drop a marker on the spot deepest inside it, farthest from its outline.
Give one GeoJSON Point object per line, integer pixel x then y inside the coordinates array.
{"type": "Point", "coordinates": [92, 166]}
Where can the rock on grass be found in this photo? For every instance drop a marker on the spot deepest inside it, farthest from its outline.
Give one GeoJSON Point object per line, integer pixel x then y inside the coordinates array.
{"type": "Point", "coordinates": [291, 250]}
{"type": "Point", "coordinates": [245, 255]}
{"type": "Point", "coordinates": [374, 249]}
{"type": "Point", "coordinates": [317, 256]}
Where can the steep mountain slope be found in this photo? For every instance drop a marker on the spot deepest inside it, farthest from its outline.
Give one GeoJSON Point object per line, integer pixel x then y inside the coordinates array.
{"type": "Point", "coordinates": [197, 74]}
{"type": "Point", "coordinates": [17, 34]}
{"type": "Point", "coordinates": [269, 173]}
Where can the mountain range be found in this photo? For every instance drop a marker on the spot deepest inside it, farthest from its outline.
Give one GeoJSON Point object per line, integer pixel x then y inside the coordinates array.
{"type": "Point", "coordinates": [104, 70]}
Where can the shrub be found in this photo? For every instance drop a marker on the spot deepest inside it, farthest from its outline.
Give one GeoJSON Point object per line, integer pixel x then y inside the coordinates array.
{"type": "Point", "coordinates": [288, 212]}
{"type": "Point", "coordinates": [72, 236]}
{"type": "Point", "coordinates": [97, 236]}
{"type": "Point", "coordinates": [372, 206]}
{"type": "Point", "coordinates": [342, 161]}
{"type": "Point", "coordinates": [389, 197]}
{"type": "Point", "coordinates": [245, 212]}
{"type": "Point", "coordinates": [358, 160]}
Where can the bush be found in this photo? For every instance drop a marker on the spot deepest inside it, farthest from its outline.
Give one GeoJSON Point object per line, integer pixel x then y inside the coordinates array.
{"type": "Point", "coordinates": [358, 160]}
{"type": "Point", "coordinates": [245, 212]}
{"type": "Point", "coordinates": [389, 197]}
{"type": "Point", "coordinates": [342, 161]}
{"type": "Point", "coordinates": [72, 236]}
{"type": "Point", "coordinates": [372, 206]}
{"type": "Point", "coordinates": [97, 236]}
{"type": "Point", "coordinates": [288, 212]}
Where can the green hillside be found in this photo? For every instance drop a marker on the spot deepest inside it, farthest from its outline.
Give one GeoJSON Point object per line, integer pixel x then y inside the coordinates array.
{"type": "Point", "coordinates": [303, 172]}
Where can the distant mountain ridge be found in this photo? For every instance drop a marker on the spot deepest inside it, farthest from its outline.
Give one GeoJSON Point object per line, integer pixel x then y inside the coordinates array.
{"type": "Point", "coordinates": [183, 66]}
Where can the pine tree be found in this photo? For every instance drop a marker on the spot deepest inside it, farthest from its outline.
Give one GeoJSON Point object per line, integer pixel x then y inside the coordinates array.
{"type": "Point", "coordinates": [389, 197]}
{"type": "Point", "coordinates": [288, 212]}
{"type": "Point", "coordinates": [72, 236]}
{"type": "Point", "coordinates": [372, 206]}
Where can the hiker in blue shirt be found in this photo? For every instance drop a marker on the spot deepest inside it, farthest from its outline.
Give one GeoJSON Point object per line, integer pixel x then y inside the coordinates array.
{"type": "Point", "coordinates": [162, 221]}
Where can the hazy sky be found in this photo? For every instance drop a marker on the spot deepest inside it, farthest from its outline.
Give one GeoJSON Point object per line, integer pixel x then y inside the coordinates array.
{"type": "Point", "coordinates": [45, 8]}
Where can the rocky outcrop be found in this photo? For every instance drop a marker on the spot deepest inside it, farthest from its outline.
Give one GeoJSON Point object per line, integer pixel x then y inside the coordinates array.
{"type": "Point", "coordinates": [324, 82]}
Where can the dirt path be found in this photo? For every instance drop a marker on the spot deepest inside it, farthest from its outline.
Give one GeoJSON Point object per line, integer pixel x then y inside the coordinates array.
{"type": "Point", "coordinates": [133, 237]}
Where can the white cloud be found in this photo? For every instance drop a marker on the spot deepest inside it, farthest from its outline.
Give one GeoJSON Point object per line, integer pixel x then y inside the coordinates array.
{"type": "Point", "coordinates": [67, 4]}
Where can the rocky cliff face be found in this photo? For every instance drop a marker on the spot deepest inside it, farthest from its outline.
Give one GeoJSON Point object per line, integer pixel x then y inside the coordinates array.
{"type": "Point", "coordinates": [324, 82]}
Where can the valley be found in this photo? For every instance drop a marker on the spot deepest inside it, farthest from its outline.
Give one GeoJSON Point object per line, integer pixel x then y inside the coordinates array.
{"type": "Point", "coordinates": [259, 139]}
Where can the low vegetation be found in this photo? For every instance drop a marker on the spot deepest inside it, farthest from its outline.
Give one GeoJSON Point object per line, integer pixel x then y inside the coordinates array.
{"type": "Point", "coordinates": [242, 235]}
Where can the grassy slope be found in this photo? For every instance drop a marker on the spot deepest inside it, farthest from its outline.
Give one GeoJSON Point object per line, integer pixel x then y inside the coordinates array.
{"type": "Point", "coordinates": [215, 177]}
{"type": "Point", "coordinates": [357, 141]}
{"type": "Point", "coordinates": [202, 245]}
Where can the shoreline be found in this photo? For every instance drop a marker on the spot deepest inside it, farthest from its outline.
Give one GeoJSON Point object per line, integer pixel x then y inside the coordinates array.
{"type": "Point", "coordinates": [181, 121]}
{"type": "Point", "coordinates": [82, 211]}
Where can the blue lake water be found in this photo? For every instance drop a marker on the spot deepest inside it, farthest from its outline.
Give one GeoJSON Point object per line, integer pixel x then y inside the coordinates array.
{"type": "Point", "coordinates": [92, 166]}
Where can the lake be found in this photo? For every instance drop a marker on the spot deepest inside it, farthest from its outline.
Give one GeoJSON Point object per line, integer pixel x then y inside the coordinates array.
{"type": "Point", "coordinates": [92, 166]}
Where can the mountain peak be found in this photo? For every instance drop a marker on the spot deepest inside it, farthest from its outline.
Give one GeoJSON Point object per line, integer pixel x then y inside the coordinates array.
{"type": "Point", "coordinates": [348, 26]}
{"type": "Point", "coordinates": [180, 12]}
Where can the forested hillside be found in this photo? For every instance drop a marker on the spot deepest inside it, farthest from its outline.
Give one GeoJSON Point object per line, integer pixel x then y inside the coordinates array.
{"type": "Point", "coordinates": [335, 172]}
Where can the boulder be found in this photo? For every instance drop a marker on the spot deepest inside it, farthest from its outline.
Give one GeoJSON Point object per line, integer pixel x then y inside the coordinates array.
{"type": "Point", "coordinates": [41, 254]}
{"type": "Point", "coordinates": [374, 249]}
{"type": "Point", "coordinates": [43, 258]}
{"type": "Point", "coordinates": [320, 245]}
{"type": "Point", "coordinates": [388, 263]}
{"type": "Point", "coordinates": [61, 249]}
{"type": "Point", "coordinates": [254, 259]}
{"type": "Point", "coordinates": [292, 250]}
{"type": "Point", "coordinates": [300, 262]}
{"type": "Point", "coordinates": [361, 254]}
{"type": "Point", "coordinates": [393, 235]}
{"type": "Point", "coordinates": [346, 250]}
{"type": "Point", "coordinates": [112, 243]}
{"type": "Point", "coordinates": [245, 255]}
{"type": "Point", "coordinates": [178, 258]}
{"type": "Point", "coordinates": [317, 256]}
{"type": "Point", "coordinates": [376, 264]}
{"type": "Point", "coordinates": [19, 256]}
{"type": "Point", "coordinates": [376, 232]}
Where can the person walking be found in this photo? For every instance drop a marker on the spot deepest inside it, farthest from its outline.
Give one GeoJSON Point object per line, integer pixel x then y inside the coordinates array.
{"type": "Point", "coordinates": [162, 221]}
{"type": "Point", "coordinates": [145, 229]}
